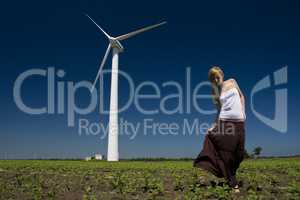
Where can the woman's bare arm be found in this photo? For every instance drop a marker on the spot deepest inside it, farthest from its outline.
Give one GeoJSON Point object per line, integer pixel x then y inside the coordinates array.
{"type": "Point", "coordinates": [217, 103]}
{"type": "Point", "coordinates": [240, 93]}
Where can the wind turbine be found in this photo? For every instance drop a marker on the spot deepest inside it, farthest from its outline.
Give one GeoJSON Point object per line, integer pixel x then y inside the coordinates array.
{"type": "Point", "coordinates": [115, 45]}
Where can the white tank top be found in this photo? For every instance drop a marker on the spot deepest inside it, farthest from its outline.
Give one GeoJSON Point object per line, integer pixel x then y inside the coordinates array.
{"type": "Point", "coordinates": [231, 105]}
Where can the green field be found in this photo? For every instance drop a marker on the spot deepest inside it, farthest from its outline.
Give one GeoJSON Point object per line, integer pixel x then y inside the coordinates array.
{"type": "Point", "coordinates": [262, 179]}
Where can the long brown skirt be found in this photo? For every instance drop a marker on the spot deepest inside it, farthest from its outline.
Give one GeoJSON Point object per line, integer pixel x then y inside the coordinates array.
{"type": "Point", "coordinates": [223, 150]}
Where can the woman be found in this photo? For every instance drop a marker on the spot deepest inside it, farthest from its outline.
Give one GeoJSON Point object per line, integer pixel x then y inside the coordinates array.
{"type": "Point", "coordinates": [224, 142]}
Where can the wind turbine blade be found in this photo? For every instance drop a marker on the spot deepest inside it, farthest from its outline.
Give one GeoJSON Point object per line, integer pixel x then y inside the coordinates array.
{"type": "Point", "coordinates": [101, 67]}
{"type": "Point", "coordinates": [128, 35]}
{"type": "Point", "coordinates": [98, 26]}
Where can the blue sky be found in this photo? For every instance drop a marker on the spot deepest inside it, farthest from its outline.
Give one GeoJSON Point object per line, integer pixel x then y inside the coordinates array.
{"type": "Point", "coordinates": [249, 40]}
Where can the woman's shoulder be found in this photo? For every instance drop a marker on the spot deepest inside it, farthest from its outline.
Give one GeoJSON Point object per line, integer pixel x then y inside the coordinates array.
{"type": "Point", "coordinates": [229, 84]}
{"type": "Point", "coordinates": [230, 81]}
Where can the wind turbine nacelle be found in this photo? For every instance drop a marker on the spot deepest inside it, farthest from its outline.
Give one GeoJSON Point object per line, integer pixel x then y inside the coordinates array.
{"type": "Point", "coordinates": [116, 44]}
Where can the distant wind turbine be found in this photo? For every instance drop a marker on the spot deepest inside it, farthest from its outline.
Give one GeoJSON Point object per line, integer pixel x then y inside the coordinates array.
{"type": "Point", "coordinates": [115, 45]}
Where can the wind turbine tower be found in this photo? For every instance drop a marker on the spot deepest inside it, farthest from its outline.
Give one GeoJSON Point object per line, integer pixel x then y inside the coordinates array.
{"type": "Point", "coordinates": [115, 45]}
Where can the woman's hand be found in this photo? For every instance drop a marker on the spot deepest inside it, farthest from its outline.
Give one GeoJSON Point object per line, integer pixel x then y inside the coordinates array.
{"type": "Point", "coordinates": [212, 127]}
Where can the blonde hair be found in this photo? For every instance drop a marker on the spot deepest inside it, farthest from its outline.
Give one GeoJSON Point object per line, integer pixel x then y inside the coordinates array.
{"type": "Point", "coordinates": [215, 71]}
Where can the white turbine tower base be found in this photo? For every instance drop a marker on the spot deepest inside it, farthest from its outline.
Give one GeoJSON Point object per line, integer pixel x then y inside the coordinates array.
{"type": "Point", "coordinates": [114, 43]}
{"type": "Point", "coordinates": [112, 149]}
